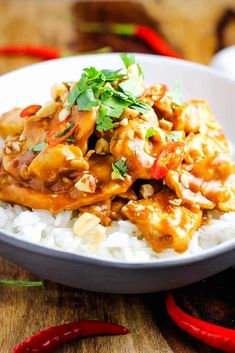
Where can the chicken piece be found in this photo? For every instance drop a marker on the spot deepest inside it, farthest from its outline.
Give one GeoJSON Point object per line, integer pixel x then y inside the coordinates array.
{"type": "Point", "coordinates": [162, 222]}
{"type": "Point", "coordinates": [17, 154]}
{"type": "Point", "coordinates": [11, 123]}
{"type": "Point", "coordinates": [212, 167]}
{"type": "Point", "coordinates": [180, 184]}
{"type": "Point", "coordinates": [195, 191]}
{"type": "Point", "coordinates": [129, 195]}
{"type": "Point", "coordinates": [55, 160]}
{"type": "Point", "coordinates": [229, 205]}
{"type": "Point", "coordinates": [85, 121]}
{"type": "Point", "coordinates": [52, 160]}
{"type": "Point", "coordinates": [161, 98]}
{"type": "Point", "coordinates": [35, 195]}
{"type": "Point", "coordinates": [129, 141]}
{"type": "Point", "coordinates": [193, 116]}
{"type": "Point", "coordinates": [197, 117]}
{"type": "Point", "coordinates": [209, 157]}
{"type": "Point", "coordinates": [201, 145]}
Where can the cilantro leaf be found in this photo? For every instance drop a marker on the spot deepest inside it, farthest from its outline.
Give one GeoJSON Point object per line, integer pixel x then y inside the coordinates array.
{"type": "Point", "coordinates": [141, 107]}
{"type": "Point", "coordinates": [111, 75]}
{"type": "Point", "coordinates": [92, 74]}
{"type": "Point", "coordinates": [73, 95]}
{"type": "Point", "coordinates": [114, 112]}
{"type": "Point", "coordinates": [120, 169]}
{"type": "Point", "coordinates": [39, 147]}
{"type": "Point", "coordinates": [106, 94]}
{"type": "Point", "coordinates": [132, 86]}
{"type": "Point", "coordinates": [128, 59]}
{"type": "Point", "coordinates": [176, 94]}
{"type": "Point", "coordinates": [86, 100]}
{"type": "Point", "coordinates": [103, 122]}
{"type": "Point", "coordinates": [124, 96]}
{"type": "Point", "coordinates": [115, 106]}
{"type": "Point", "coordinates": [150, 133]}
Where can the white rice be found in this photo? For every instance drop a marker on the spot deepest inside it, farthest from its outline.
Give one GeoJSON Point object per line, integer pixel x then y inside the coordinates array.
{"type": "Point", "coordinates": [122, 240]}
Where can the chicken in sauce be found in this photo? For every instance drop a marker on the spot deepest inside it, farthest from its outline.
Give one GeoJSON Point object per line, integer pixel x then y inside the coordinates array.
{"type": "Point", "coordinates": [110, 146]}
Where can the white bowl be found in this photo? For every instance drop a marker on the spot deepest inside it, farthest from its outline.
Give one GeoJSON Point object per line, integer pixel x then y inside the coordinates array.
{"type": "Point", "coordinates": [31, 85]}
{"type": "Point", "coordinates": [224, 61]}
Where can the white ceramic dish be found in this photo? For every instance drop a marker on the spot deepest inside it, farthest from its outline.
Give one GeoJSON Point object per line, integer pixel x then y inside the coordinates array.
{"type": "Point", "coordinates": [31, 85]}
{"type": "Point", "coordinates": [223, 61]}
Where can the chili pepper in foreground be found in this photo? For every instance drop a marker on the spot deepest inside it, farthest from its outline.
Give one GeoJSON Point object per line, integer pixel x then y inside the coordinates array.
{"type": "Point", "coordinates": [48, 340]}
{"type": "Point", "coordinates": [145, 33]}
{"type": "Point", "coordinates": [213, 335]}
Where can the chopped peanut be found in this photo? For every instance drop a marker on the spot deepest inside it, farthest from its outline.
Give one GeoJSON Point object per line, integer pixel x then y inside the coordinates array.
{"type": "Point", "coordinates": [86, 183]}
{"type": "Point", "coordinates": [102, 146]}
{"type": "Point", "coordinates": [146, 190]}
{"type": "Point", "coordinates": [85, 223]}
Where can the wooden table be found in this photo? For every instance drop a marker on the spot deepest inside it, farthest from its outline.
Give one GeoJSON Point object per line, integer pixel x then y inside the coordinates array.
{"type": "Point", "coordinates": [27, 310]}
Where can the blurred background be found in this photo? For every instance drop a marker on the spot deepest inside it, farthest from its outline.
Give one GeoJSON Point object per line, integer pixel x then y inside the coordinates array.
{"type": "Point", "coordinates": [196, 29]}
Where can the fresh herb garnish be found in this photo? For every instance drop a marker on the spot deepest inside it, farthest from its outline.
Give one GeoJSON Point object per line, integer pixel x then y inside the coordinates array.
{"type": "Point", "coordinates": [132, 87]}
{"type": "Point", "coordinates": [65, 132]}
{"type": "Point", "coordinates": [111, 76]}
{"type": "Point", "coordinates": [120, 169]}
{"type": "Point", "coordinates": [114, 106]}
{"type": "Point", "coordinates": [150, 133]}
{"type": "Point", "coordinates": [128, 59]}
{"type": "Point", "coordinates": [104, 122]}
{"type": "Point", "coordinates": [141, 107]}
{"type": "Point", "coordinates": [99, 88]}
{"type": "Point", "coordinates": [86, 100]}
{"type": "Point", "coordinates": [38, 148]}
{"type": "Point", "coordinates": [21, 283]}
{"type": "Point", "coordinates": [77, 90]}
{"type": "Point", "coordinates": [176, 94]}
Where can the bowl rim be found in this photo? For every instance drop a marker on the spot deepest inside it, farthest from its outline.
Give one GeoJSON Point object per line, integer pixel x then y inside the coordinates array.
{"type": "Point", "coordinates": [12, 240]}
{"type": "Point", "coordinates": [144, 56]}
{"type": "Point", "coordinates": [40, 249]}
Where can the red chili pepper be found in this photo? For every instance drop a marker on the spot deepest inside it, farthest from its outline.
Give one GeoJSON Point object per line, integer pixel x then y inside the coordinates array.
{"type": "Point", "coordinates": [30, 110]}
{"type": "Point", "coordinates": [213, 335]}
{"type": "Point", "coordinates": [48, 340]}
{"type": "Point", "coordinates": [169, 159]}
{"type": "Point", "coordinates": [60, 133]}
{"type": "Point", "coordinates": [41, 52]}
{"type": "Point", "coordinates": [145, 33]}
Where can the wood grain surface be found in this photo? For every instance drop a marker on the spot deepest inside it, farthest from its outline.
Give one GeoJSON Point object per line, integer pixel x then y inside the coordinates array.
{"type": "Point", "coordinates": [24, 311]}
